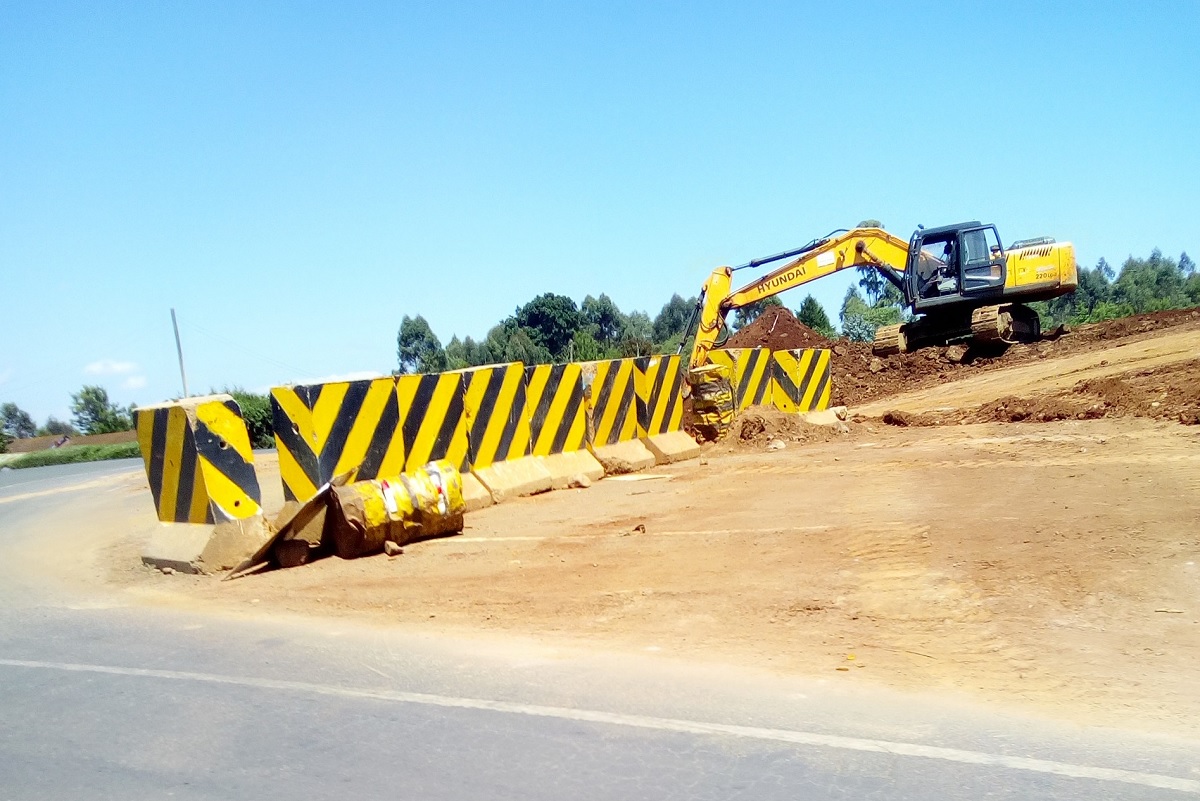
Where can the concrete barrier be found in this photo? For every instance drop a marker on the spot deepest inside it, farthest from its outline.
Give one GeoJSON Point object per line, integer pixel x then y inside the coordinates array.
{"type": "Point", "coordinates": [498, 432]}
{"type": "Point", "coordinates": [658, 383]}
{"type": "Point", "coordinates": [801, 380]}
{"type": "Point", "coordinates": [325, 430]}
{"type": "Point", "coordinates": [198, 460]}
{"type": "Point", "coordinates": [749, 374]}
{"type": "Point", "coordinates": [612, 416]}
{"type": "Point", "coordinates": [558, 422]}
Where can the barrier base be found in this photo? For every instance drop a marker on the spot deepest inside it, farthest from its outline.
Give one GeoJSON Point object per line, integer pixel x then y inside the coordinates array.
{"type": "Point", "coordinates": [475, 494]}
{"type": "Point", "coordinates": [514, 478]}
{"type": "Point", "coordinates": [674, 446]}
{"type": "Point", "coordinates": [562, 467]}
{"type": "Point", "coordinates": [204, 549]}
{"type": "Point", "coordinates": [624, 457]}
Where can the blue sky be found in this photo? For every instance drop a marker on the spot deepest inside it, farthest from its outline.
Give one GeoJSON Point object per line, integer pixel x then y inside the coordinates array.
{"type": "Point", "coordinates": [295, 177]}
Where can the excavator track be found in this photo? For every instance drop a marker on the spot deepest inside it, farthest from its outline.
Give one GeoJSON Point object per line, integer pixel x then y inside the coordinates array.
{"type": "Point", "coordinates": [988, 324]}
{"type": "Point", "coordinates": [1011, 323]}
{"type": "Point", "coordinates": [889, 340]}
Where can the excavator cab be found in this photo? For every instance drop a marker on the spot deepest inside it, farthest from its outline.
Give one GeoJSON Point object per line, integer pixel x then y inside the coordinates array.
{"type": "Point", "coordinates": [949, 263]}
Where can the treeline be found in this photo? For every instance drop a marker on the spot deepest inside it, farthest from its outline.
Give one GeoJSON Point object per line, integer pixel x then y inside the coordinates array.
{"type": "Point", "coordinates": [552, 328]}
{"type": "Point", "coordinates": [1142, 285]}
{"type": "Point", "coordinates": [92, 412]}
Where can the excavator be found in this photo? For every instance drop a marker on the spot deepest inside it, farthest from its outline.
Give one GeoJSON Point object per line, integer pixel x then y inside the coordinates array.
{"type": "Point", "coordinates": [959, 284]}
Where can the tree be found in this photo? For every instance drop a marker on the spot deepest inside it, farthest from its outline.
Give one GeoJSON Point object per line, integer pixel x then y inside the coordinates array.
{"type": "Point", "coordinates": [16, 422]}
{"type": "Point", "coordinates": [751, 312]}
{"type": "Point", "coordinates": [812, 314]}
{"type": "Point", "coordinates": [57, 428]}
{"type": "Point", "coordinates": [869, 224]}
{"type": "Point", "coordinates": [93, 413]}
{"type": "Point", "coordinates": [1151, 284]}
{"type": "Point", "coordinates": [604, 319]}
{"type": "Point", "coordinates": [551, 321]}
{"type": "Point", "coordinates": [639, 335]}
{"type": "Point", "coordinates": [478, 353]}
{"type": "Point", "coordinates": [583, 348]}
{"type": "Point", "coordinates": [456, 354]}
{"type": "Point", "coordinates": [673, 318]}
{"type": "Point", "coordinates": [521, 348]}
{"type": "Point", "coordinates": [417, 349]}
{"type": "Point", "coordinates": [860, 320]}
{"type": "Point", "coordinates": [1186, 265]}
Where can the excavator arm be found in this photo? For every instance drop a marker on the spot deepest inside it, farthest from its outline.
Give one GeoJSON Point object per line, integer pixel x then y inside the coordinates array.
{"type": "Point", "coordinates": [860, 247]}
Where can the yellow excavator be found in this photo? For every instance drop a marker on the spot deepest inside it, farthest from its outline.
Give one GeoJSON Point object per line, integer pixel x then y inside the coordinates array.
{"type": "Point", "coordinates": [959, 283]}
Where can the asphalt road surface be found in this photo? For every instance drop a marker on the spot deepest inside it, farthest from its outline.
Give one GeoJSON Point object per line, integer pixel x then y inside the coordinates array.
{"type": "Point", "coordinates": [105, 696]}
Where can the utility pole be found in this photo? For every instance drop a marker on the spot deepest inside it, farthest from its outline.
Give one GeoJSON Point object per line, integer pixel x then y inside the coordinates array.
{"type": "Point", "coordinates": [179, 350]}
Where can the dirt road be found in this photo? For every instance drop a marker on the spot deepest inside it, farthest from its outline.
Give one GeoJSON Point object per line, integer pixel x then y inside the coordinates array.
{"type": "Point", "coordinates": [1055, 566]}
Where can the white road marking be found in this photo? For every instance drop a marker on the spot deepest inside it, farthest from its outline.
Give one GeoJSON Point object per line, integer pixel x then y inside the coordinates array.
{"type": "Point", "coordinates": [645, 722]}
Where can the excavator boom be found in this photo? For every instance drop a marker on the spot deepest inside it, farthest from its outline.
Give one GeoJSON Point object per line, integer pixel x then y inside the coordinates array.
{"type": "Point", "coordinates": [860, 247]}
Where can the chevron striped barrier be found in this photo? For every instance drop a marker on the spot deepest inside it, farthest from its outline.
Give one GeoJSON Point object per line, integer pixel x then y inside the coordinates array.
{"type": "Point", "coordinates": [658, 389]}
{"type": "Point", "coordinates": [558, 422]}
{"type": "Point", "coordinates": [432, 419]}
{"type": "Point", "coordinates": [499, 423]}
{"type": "Point", "coordinates": [198, 460]}
{"type": "Point", "coordinates": [497, 415]}
{"type": "Point", "coordinates": [608, 390]}
{"type": "Point", "coordinates": [558, 417]}
{"type": "Point", "coordinates": [658, 383]}
{"type": "Point", "coordinates": [612, 415]}
{"type": "Point", "coordinates": [324, 430]}
{"type": "Point", "coordinates": [800, 380]}
{"type": "Point", "coordinates": [750, 374]}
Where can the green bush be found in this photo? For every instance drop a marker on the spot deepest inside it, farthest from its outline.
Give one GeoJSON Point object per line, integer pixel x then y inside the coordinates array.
{"type": "Point", "coordinates": [256, 411]}
{"type": "Point", "coordinates": [71, 454]}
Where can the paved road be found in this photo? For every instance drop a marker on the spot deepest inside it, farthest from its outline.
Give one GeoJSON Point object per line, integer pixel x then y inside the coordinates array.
{"type": "Point", "coordinates": [102, 698]}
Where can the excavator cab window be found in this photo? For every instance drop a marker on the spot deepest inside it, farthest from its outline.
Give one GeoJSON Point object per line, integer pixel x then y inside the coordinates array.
{"type": "Point", "coordinates": [983, 262]}
{"type": "Point", "coordinates": [937, 267]}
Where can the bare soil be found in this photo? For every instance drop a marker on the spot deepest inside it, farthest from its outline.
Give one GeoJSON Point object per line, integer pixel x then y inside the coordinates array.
{"type": "Point", "coordinates": [1052, 564]}
{"type": "Point", "coordinates": [859, 377]}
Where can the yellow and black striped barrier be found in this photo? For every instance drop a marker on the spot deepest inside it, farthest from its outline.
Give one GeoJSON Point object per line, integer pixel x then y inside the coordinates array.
{"type": "Point", "coordinates": [198, 460]}
{"type": "Point", "coordinates": [658, 387]}
{"type": "Point", "coordinates": [557, 413]}
{"type": "Point", "coordinates": [608, 389]}
{"type": "Point", "coordinates": [324, 430]}
{"type": "Point", "coordinates": [432, 419]}
{"type": "Point", "coordinates": [497, 415]}
{"type": "Point", "coordinates": [800, 380]}
{"type": "Point", "coordinates": [749, 374]}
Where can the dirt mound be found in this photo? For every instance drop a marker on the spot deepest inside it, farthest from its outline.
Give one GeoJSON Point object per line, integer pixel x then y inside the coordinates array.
{"type": "Point", "coordinates": [1138, 324]}
{"type": "Point", "coordinates": [861, 377]}
{"type": "Point", "coordinates": [758, 426]}
{"type": "Point", "coordinates": [1171, 392]}
{"type": "Point", "coordinates": [777, 329]}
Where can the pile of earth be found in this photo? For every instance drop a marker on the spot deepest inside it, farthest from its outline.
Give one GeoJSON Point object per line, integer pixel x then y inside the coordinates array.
{"type": "Point", "coordinates": [859, 376]}
{"type": "Point", "coordinates": [777, 329]}
{"type": "Point", "coordinates": [1171, 392]}
{"type": "Point", "coordinates": [756, 427]}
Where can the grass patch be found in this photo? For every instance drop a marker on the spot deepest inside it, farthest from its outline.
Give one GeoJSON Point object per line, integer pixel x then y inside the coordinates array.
{"type": "Point", "coordinates": [71, 454]}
